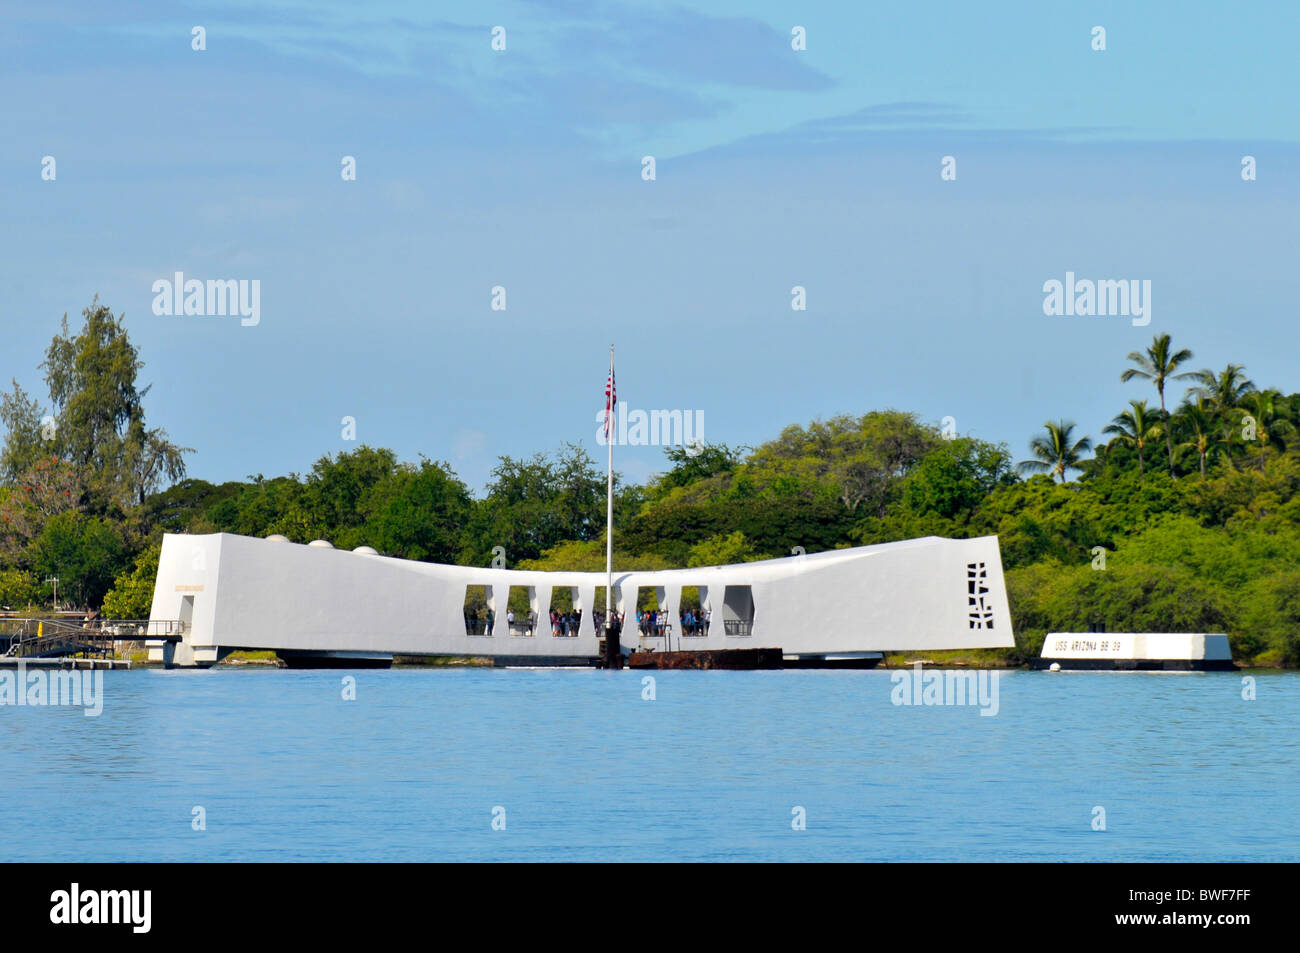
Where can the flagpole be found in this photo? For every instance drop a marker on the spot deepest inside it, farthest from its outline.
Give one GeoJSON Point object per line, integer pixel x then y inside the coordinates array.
{"type": "Point", "coordinates": [609, 492]}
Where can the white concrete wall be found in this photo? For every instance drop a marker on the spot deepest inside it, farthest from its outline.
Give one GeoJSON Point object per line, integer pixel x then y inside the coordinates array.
{"type": "Point", "coordinates": [188, 566]}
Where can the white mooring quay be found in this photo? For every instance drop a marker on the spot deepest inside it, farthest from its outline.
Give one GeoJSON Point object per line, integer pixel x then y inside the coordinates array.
{"type": "Point", "coordinates": [318, 606]}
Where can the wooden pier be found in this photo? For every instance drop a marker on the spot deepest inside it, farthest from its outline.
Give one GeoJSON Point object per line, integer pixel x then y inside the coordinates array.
{"type": "Point", "coordinates": [65, 662]}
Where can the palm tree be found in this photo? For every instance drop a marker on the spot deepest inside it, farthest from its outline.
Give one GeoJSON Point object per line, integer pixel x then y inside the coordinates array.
{"type": "Point", "coordinates": [1197, 422]}
{"type": "Point", "coordinates": [1159, 364]}
{"type": "Point", "coordinates": [1054, 451]}
{"type": "Point", "coordinates": [1269, 426]}
{"type": "Point", "coordinates": [1134, 428]}
{"type": "Point", "coordinates": [1223, 392]}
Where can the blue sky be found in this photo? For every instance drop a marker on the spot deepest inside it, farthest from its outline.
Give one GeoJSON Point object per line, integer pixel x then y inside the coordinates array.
{"type": "Point", "coordinates": [522, 168]}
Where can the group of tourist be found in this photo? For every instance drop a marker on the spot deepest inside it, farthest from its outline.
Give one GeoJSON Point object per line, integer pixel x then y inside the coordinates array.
{"type": "Point", "coordinates": [695, 622]}
{"type": "Point", "coordinates": [651, 623]}
{"type": "Point", "coordinates": [566, 624]}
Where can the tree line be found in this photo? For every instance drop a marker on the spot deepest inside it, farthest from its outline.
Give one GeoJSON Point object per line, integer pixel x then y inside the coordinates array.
{"type": "Point", "coordinates": [1183, 519]}
{"type": "Point", "coordinates": [1222, 415]}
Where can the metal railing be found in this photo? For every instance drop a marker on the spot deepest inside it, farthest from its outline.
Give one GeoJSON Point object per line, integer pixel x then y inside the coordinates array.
{"type": "Point", "coordinates": [91, 638]}
{"type": "Point", "coordinates": [118, 628]}
{"type": "Point", "coordinates": [738, 626]}
{"type": "Point", "coordinates": [519, 628]}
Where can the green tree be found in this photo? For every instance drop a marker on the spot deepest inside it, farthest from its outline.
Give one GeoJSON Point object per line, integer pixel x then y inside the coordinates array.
{"type": "Point", "coordinates": [693, 464]}
{"type": "Point", "coordinates": [722, 551]}
{"type": "Point", "coordinates": [419, 513]}
{"type": "Point", "coordinates": [100, 413]}
{"type": "Point", "coordinates": [1197, 425]}
{"type": "Point", "coordinates": [1159, 364]}
{"type": "Point", "coordinates": [1135, 427]}
{"type": "Point", "coordinates": [262, 507]}
{"type": "Point", "coordinates": [1270, 617]}
{"type": "Point", "coordinates": [24, 441]}
{"type": "Point", "coordinates": [47, 488]}
{"type": "Point", "coordinates": [1222, 393]}
{"type": "Point", "coordinates": [150, 458]}
{"type": "Point", "coordinates": [132, 594]}
{"type": "Point", "coordinates": [1056, 451]}
{"type": "Point", "coordinates": [534, 504]}
{"type": "Point", "coordinates": [579, 493]}
{"type": "Point", "coordinates": [189, 505]}
{"type": "Point", "coordinates": [333, 502]}
{"type": "Point", "coordinates": [953, 478]}
{"type": "Point", "coordinates": [1263, 423]}
{"type": "Point", "coordinates": [859, 461]}
{"type": "Point", "coordinates": [84, 552]}
{"type": "Point", "coordinates": [19, 589]}
{"type": "Point", "coordinates": [773, 524]}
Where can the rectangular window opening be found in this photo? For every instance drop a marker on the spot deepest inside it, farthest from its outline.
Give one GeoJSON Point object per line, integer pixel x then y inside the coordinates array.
{"type": "Point", "coordinates": [651, 620]}
{"type": "Point", "coordinates": [738, 610]}
{"type": "Point", "coordinates": [565, 612]}
{"type": "Point", "coordinates": [521, 611]}
{"type": "Point", "coordinates": [480, 615]}
{"type": "Point", "coordinates": [693, 611]}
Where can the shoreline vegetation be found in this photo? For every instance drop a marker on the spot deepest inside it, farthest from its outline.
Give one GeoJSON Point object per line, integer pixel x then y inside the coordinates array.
{"type": "Point", "coordinates": [1181, 513]}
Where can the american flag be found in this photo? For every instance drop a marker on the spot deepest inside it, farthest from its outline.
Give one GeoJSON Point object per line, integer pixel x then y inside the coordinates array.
{"type": "Point", "coordinates": [611, 401]}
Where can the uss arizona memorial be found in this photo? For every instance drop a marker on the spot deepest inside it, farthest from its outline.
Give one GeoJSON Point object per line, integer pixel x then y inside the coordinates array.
{"type": "Point", "coordinates": [319, 606]}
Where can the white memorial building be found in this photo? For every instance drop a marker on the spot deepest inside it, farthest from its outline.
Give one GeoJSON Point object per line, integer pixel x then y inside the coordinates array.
{"type": "Point", "coordinates": [317, 606]}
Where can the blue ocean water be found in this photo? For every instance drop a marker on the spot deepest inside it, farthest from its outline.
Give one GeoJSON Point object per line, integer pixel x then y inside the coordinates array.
{"type": "Point", "coordinates": [713, 768]}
